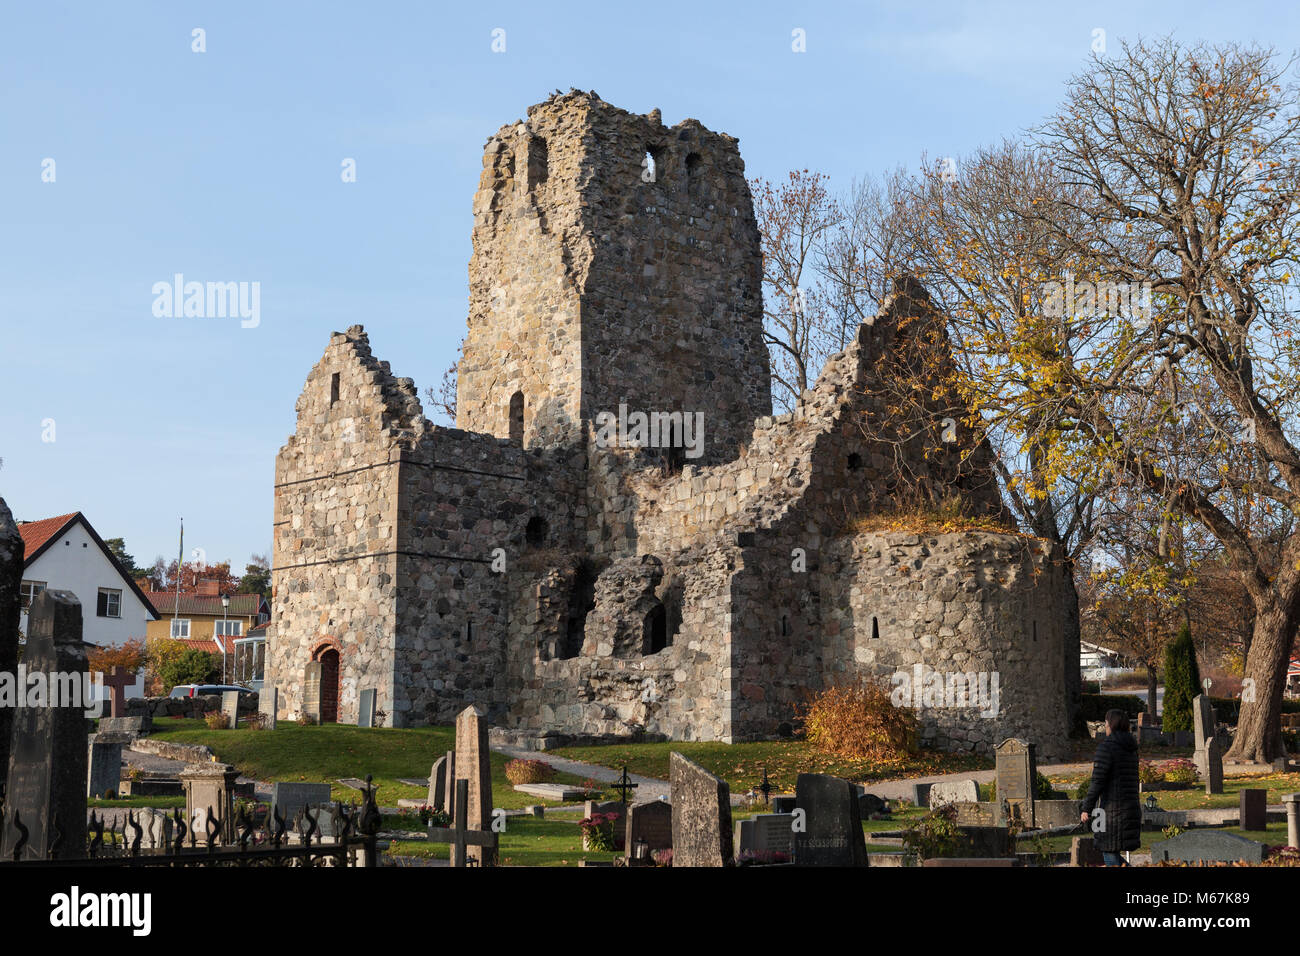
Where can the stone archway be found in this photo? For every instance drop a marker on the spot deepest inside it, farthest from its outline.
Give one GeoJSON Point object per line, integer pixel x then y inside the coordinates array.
{"type": "Point", "coordinates": [327, 656]}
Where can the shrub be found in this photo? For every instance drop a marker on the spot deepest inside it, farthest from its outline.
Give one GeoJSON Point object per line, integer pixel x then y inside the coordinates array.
{"type": "Point", "coordinates": [191, 667]}
{"type": "Point", "coordinates": [129, 655]}
{"type": "Point", "coordinates": [216, 720]}
{"type": "Point", "coordinates": [935, 834]}
{"type": "Point", "coordinates": [529, 771]}
{"type": "Point", "coordinates": [306, 720]}
{"type": "Point", "coordinates": [1149, 773]}
{"type": "Point", "coordinates": [1091, 687]}
{"type": "Point", "coordinates": [598, 831]}
{"type": "Point", "coordinates": [1181, 770]}
{"type": "Point", "coordinates": [1182, 682]}
{"type": "Point", "coordinates": [1043, 789]}
{"type": "Point", "coordinates": [1094, 706]}
{"type": "Point", "coordinates": [859, 721]}
{"type": "Point", "coordinates": [1081, 791]}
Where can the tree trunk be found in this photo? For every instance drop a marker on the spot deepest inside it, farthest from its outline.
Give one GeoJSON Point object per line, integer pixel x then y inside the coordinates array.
{"type": "Point", "coordinates": [1259, 728]}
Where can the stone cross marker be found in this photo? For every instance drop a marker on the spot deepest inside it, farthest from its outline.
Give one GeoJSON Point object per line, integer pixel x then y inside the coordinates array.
{"type": "Point", "coordinates": [473, 763]}
{"type": "Point", "coordinates": [230, 707]}
{"type": "Point", "coordinates": [701, 815]}
{"type": "Point", "coordinates": [48, 763]}
{"type": "Point", "coordinates": [832, 834]}
{"type": "Point", "coordinates": [1017, 769]}
{"type": "Point", "coordinates": [463, 838]}
{"type": "Point", "coordinates": [11, 574]}
{"type": "Point", "coordinates": [118, 679]}
{"type": "Point", "coordinates": [366, 711]}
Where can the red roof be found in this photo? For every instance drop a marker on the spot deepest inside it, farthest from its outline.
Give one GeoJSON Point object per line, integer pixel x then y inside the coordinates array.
{"type": "Point", "coordinates": [37, 533]}
{"type": "Point", "coordinates": [241, 605]}
{"type": "Point", "coordinates": [198, 644]}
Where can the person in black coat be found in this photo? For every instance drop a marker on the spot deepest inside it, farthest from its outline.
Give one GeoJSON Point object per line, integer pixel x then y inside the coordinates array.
{"type": "Point", "coordinates": [1114, 792]}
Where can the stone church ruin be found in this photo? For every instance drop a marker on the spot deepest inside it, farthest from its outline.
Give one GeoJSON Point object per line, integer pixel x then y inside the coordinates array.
{"type": "Point", "coordinates": [578, 589]}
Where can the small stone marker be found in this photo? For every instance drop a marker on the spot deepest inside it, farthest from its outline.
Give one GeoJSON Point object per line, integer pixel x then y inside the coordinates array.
{"type": "Point", "coordinates": [1207, 846]}
{"type": "Point", "coordinates": [701, 815]}
{"type": "Point", "coordinates": [268, 705]}
{"type": "Point", "coordinates": [832, 834]}
{"type": "Point", "coordinates": [1254, 809]}
{"type": "Point", "coordinates": [953, 791]}
{"type": "Point", "coordinates": [766, 833]}
{"type": "Point", "coordinates": [1017, 771]}
{"type": "Point", "coordinates": [230, 707]}
{"type": "Point", "coordinates": [473, 763]}
{"type": "Point", "coordinates": [650, 824]}
{"type": "Point", "coordinates": [104, 764]}
{"type": "Point", "coordinates": [366, 710]}
{"type": "Point", "coordinates": [1292, 803]}
{"type": "Point", "coordinates": [289, 798]}
{"type": "Point", "coordinates": [438, 783]}
{"type": "Point", "coordinates": [1214, 765]}
{"type": "Point", "coordinates": [48, 764]}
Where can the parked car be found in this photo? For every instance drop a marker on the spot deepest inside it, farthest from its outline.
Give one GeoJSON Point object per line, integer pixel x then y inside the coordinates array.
{"type": "Point", "coordinates": [194, 690]}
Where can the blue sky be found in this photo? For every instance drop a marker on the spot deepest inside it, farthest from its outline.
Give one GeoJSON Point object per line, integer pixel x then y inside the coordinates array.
{"type": "Point", "coordinates": [225, 166]}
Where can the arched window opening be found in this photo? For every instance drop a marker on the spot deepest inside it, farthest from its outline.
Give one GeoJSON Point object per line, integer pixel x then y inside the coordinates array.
{"type": "Point", "coordinates": [517, 418]}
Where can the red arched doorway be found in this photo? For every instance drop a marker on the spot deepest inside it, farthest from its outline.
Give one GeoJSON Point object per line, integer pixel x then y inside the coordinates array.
{"type": "Point", "coordinates": [329, 684]}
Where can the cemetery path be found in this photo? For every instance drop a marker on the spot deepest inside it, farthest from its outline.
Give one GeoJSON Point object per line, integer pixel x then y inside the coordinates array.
{"type": "Point", "coordinates": [648, 788]}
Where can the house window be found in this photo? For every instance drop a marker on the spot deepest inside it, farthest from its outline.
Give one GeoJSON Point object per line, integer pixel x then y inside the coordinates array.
{"type": "Point", "coordinates": [180, 627]}
{"type": "Point", "coordinates": [229, 628]}
{"type": "Point", "coordinates": [110, 603]}
{"type": "Point", "coordinates": [29, 590]}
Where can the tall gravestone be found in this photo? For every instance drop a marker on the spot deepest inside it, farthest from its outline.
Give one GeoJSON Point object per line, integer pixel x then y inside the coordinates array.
{"type": "Point", "coordinates": [1214, 751]}
{"type": "Point", "coordinates": [1253, 808]}
{"type": "Point", "coordinates": [832, 825]}
{"type": "Point", "coordinates": [48, 759]}
{"type": "Point", "coordinates": [1203, 723]}
{"type": "Point", "coordinates": [366, 710]}
{"type": "Point", "coordinates": [701, 815]}
{"type": "Point", "coordinates": [473, 763]}
{"type": "Point", "coordinates": [268, 703]}
{"type": "Point", "coordinates": [11, 576]}
{"type": "Point", "coordinates": [104, 771]}
{"type": "Point", "coordinates": [1016, 769]}
{"type": "Point", "coordinates": [230, 708]}
{"type": "Point", "coordinates": [311, 690]}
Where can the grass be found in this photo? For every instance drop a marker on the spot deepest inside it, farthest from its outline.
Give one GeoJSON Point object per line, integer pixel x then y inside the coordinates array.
{"type": "Point", "coordinates": [1196, 798]}
{"type": "Point", "coordinates": [741, 765]}
{"type": "Point", "coordinates": [527, 841]}
{"type": "Point", "coordinates": [161, 802]}
{"type": "Point", "coordinates": [329, 752]}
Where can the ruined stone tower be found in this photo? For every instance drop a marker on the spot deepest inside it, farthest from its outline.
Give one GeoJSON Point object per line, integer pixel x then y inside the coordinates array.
{"type": "Point", "coordinates": [616, 261]}
{"type": "Point", "coordinates": [577, 591]}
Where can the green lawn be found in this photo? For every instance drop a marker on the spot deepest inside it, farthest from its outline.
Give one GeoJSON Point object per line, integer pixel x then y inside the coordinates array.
{"type": "Point", "coordinates": [527, 841]}
{"type": "Point", "coordinates": [741, 765]}
{"type": "Point", "coordinates": [162, 802]}
{"type": "Point", "coordinates": [1196, 798]}
{"type": "Point", "coordinates": [327, 753]}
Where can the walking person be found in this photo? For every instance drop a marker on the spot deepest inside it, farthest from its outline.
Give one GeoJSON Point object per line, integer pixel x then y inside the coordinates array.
{"type": "Point", "coordinates": [1114, 789]}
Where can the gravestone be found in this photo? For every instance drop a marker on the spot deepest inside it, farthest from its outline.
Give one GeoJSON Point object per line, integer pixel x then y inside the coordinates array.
{"type": "Point", "coordinates": [1254, 809]}
{"type": "Point", "coordinates": [618, 826]}
{"type": "Point", "coordinates": [289, 798]}
{"type": "Point", "coordinates": [48, 763]}
{"type": "Point", "coordinates": [473, 764]}
{"type": "Point", "coordinates": [701, 806]}
{"type": "Point", "coordinates": [983, 841]}
{"type": "Point", "coordinates": [104, 764]}
{"type": "Point", "coordinates": [1208, 846]}
{"type": "Point", "coordinates": [311, 690]}
{"type": "Point", "coordinates": [953, 791]}
{"type": "Point", "coordinates": [985, 813]}
{"type": "Point", "coordinates": [449, 784]}
{"type": "Point", "coordinates": [1017, 769]}
{"type": "Point", "coordinates": [117, 680]}
{"type": "Point", "coordinates": [210, 791]}
{"type": "Point", "coordinates": [11, 575]}
{"type": "Point", "coordinates": [832, 833]}
{"type": "Point", "coordinates": [268, 704]}
{"type": "Point", "coordinates": [1148, 728]}
{"type": "Point", "coordinates": [1214, 765]}
{"type": "Point", "coordinates": [437, 784]}
{"type": "Point", "coordinates": [230, 708]}
{"type": "Point", "coordinates": [766, 833]}
{"type": "Point", "coordinates": [462, 837]}
{"type": "Point", "coordinates": [921, 794]}
{"type": "Point", "coordinates": [366, 711]}
{"type": "Point", "coordinates": [869, 804]}
{"type": "Point", "coordinates": [783, 804]}
{"type": "Point", "coordinates": [1203, 725]}
{"type": "Point", "coordinates": [156, 828]}
{"type": "Point", "coordinates": [1292, 803]}
{"type": "Point", "coordinates": [650, 823]}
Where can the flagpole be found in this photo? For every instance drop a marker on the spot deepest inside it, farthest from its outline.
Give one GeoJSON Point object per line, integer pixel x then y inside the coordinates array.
{"type": "Point", "coordinates": [180, 564]}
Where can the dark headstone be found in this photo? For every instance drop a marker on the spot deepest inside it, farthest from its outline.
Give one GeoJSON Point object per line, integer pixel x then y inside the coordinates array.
{"type": "Point", "coordinates": [701, 815]}
{"type": "Point", "coordinates": [48, 757]}
{"type": "Point", "coordinates": [869, 804]}
{"type": "Point", "coordinates": [987, 841]}
{"type": "Point", "coordinates": [1209, 846]}
{"type": "Point", "coordinates": [1214, 748]}
{"type": "Point", "coordinates": [289, 798]}
{"type": "Point", "coordinates": [783, 804]}
{"type": "Point", "coordinates": [1254, 809]}
{"type": "Point", "coordinates": [104, 764]}
{"type": "Point", "coordinates": [650, 823]}
{"type": "Point", "coordinates": [766, 835]}
{"type": "Point", "coordinates": [921, 794]}
{"type": "Point", "coordinates": [832, 826]}
{"type": "Point", "coordinates": [11, 576]}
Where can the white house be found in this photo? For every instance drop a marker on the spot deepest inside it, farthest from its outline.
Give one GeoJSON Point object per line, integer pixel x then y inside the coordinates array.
{"type": "Point", "coordinates": [65, 553]}
{"type": "Point", "coordinates": [1097, 662]}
